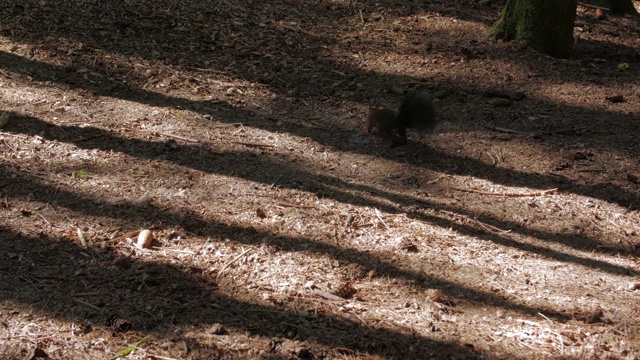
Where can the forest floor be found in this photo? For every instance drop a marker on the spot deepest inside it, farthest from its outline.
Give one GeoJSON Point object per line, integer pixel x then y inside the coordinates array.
{"type": "Point", "coordinates": [234, 132]}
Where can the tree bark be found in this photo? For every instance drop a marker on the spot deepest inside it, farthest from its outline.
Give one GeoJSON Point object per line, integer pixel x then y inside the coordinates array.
{"type": "Point", "coordinates": [545, 25]}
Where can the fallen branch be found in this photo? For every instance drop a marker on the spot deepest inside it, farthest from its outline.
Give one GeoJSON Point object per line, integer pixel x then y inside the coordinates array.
{"type": "Point", "coordinates": [232, 261]}
{"type": "Point", "coordinates": [327, 295]}
{"type": "Point", "coordinates": [532, 133]}
{"type": "Point", "coordinates": [15, 135]}
{"type": "Point", "coordinates": [416, 83]}
{"type": "Point", "coordinates": [88, 138]}
{"type": "Point", "coordinates": [538, 193]}
{"type": "Point", "coordinates": [296, 206]}
{"type": "Point", "coordinates": [253, 144]}
{"type": "Point", "coordinates": [489, 228]}
{"type": "Point", "coordinates": [505, 130]}
{"type": "Point", "coordinates": [592, 6]}
{"type": "Point", "coordinates": [178, 137]}
{"type": "Point", "coordinates": [160, 357]}
{"type": "Point", "coordinates": [87, 304]}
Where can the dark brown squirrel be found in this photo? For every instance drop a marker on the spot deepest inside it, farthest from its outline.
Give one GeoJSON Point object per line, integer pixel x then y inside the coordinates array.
{"type": "Point", "coordinates": [416, 112]}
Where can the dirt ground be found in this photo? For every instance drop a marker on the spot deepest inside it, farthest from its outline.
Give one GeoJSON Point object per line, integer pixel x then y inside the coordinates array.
{"type": "Point", "coordinates": [234, 132]}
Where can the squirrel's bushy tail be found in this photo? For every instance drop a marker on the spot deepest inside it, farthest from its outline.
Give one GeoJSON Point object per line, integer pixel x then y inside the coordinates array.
{"type": "Point", "coordinates": [417, 112]}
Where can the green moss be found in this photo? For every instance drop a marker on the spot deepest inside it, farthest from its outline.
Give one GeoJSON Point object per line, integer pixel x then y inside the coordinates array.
{"type": "Point", "coordinates": [546, 26]}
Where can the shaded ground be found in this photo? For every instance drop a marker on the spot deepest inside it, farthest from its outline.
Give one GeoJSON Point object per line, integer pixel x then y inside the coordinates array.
{"type": "Point", "coordinates": [234, 132]}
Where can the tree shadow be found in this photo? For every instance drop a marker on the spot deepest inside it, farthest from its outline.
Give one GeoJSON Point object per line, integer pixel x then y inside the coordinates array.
{"type": "Point", "coordinates": [340, 139]}
{"type": "Point", "coordinates": [253, 168]}
{"type": "Point", "coordinates": [103, 81]}
{"type": "Point", "coordinates": [273, 41]}
{"type": "Point", "coordinates": [93, 270]}
{"type": "Point", "coordinates": [92, 284]}
{"type": "Point", "coordinates": [131, 214]}
{"type": "Point", "coordinates": [257, 168]}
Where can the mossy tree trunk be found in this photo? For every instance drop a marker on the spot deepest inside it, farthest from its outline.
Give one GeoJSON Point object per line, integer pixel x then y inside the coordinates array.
{"type": "Point", "coordinates": [623, 7]}
{"type": "Point", "coordinates": [545, 25]}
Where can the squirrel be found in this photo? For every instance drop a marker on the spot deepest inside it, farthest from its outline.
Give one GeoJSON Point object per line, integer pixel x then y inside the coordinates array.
{"type": "Point", "coordinates": [416, 112]}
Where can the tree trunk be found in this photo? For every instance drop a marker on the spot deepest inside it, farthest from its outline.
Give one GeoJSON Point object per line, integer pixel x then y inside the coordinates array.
{"type": "Point", "coordinates": [545, 25]}
{"type": "Point", "coordinates": [623, 7]}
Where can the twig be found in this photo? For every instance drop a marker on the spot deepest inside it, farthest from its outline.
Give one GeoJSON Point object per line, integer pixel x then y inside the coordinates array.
{"type": "Point", "coordinates": [569, 129]}
{"type": "Point", "coordinates": [15, 135]}
{"type": "Point", "coordinates": [491, 228]}
{"type": "Point", "coordinates": [226, 125]}
{"type": "Point", "coordinates": [544, 316]}
{"type": "Point", "coordinates": [88, 138]}
{"type": "Point", "coordinates": [327, 295]}
{"type": "Point", "coordinates": [232, 261]}
{"type": "Point", "coordinates": [415, 83]}
{"type": "Point", "coordinates": [487, 227]}
{"type": "Point", "coordinates": [253, 144]}
{"type": "Point", "coordinates": [359, 226]}
{"type": "Point", "coordinates": [497, 152]}
{"type": "Point", "coordinates": [531, 133]}
{"type": "Point", "coordinates": [529, 322]}
{"type": "Point", "coordinates": [178, 137]}
{"type": "Point", "coordinates": [275, 182]}
{"type": "Point", "coordinates": [160, 357]}
{"type": "Point", "coordinates": [296, 206]}
{"type": "Point", "coordinates": [30, 280]}
{"type": "Point", "coordinates": [592, 6]}
{"type": "Point", "coordinates": [234, 6]}
{"type": "Point", "coordinates": [298, 29]}
{"type": "Point", "coordinates": [10, 147]}
{"type": "Point", "coordinates": [45, 219]}
{"type": "Point", "coordinates": [505, 130]}
{"type": "Point", "coordinates": [524, 344]}
{"type": "Point", "coordinates": [176, 250]}
{"type": "Point", "coordinates": [381, 219]}
{"type": "Point", "coordinates": [87, 304]}
{"type": "Point", "coordinates": [533, 323]}
{"type": "Point", "coordinates": [52, 196]}
{"type": "Point", "coordinates": [539, 193]}
{"type": "Point", "coordinates": [376, 156]}
{"type": "Point", "coordinates": [215, 71]}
